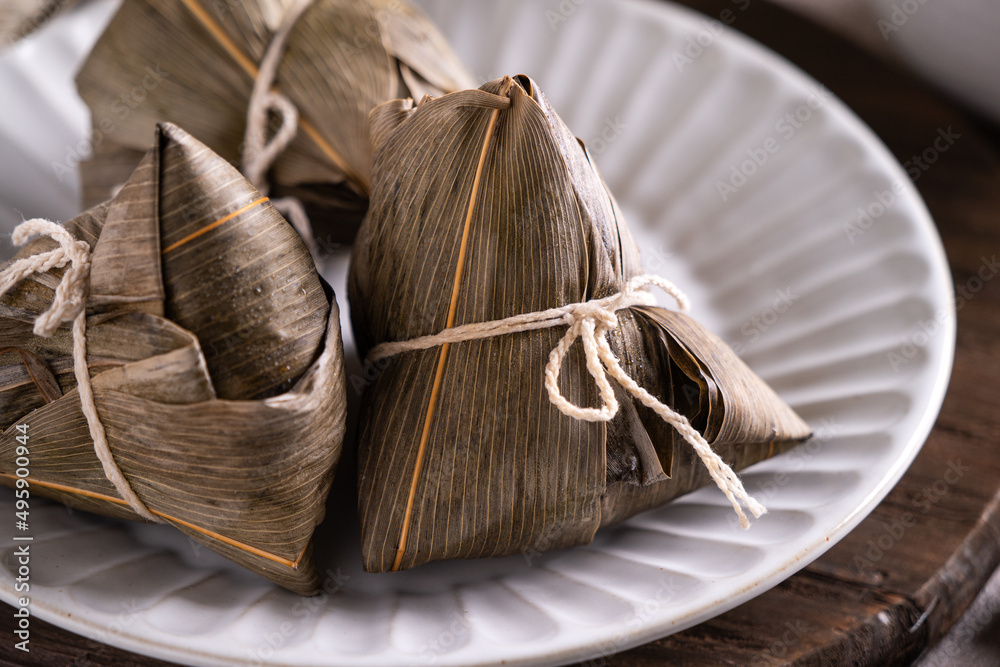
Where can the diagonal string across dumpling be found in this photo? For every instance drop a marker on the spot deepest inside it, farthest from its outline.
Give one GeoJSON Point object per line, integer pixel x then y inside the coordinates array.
{"type": "Point", "coordinates": [69, 304]}
{"type": "Point", "coordinates": [590, 321]}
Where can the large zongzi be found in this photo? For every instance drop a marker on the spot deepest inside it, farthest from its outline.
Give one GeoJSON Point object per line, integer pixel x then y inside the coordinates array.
{"type": "Point", "coordinates": [196, 63]}
{"type": "Point", "coordinates": [203, 384]}
{"type": "Point", "coordinates": [486, 214]}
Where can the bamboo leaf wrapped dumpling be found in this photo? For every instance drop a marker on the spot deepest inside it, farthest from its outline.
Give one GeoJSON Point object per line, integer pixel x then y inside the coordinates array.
{"type": "Point", "coordinates": [485, 207]}
{"type": "Point", "coordinates": [194, 63]}
{"type": "Point", "coordinates": [215, 359]}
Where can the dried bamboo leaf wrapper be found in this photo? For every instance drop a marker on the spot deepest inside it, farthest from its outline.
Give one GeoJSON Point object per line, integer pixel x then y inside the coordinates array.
{"type": "Point", "coordinates": [758, 420]}
{"type": "Point", "coordinates": [277, 309]}
{"type": "Point", "coordinates": [248, 478]}
{"type": "Point", "coordinates": [471, 503]}
{"type": "Point", "coordinates": [739, 414]}
{"type": "Point", "coordinates": [421, 246]}
{"type": "Point", "coordinates": [112, 342]}
{"type": "Point", "coordinates": [420, 237]}
{"type": "Point", "coordinates": [130, 236]}
{"type": "Point", "coordinates": [252, 472]}
{"type": "Point", "coordinates": [195, 63]}
{"type": "Point", "coordinates": [33, 295]}
{"type": "Point", "coordinates": [638, 449]}
{"type": "Point", "coordinates": [484, 206]}
{"type": "Point", "coordinates": [173, 44]}
{"type": "Point", "coordinates": [420, 50]}
{"type": "Point", "coordinates": [322, 48]}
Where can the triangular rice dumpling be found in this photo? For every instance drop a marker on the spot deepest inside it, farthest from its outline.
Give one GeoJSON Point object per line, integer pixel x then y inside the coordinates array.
{"type": "Point", "coordinates": [484, 206]}
{"type": "Point", "coordinates": [216, 362]}
{"type": "Point", "coordinates": [194, 63]}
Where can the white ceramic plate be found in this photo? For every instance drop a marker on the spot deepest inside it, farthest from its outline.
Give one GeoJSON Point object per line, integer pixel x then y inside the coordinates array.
{"type": "Point", "coordinates": [850, 318]}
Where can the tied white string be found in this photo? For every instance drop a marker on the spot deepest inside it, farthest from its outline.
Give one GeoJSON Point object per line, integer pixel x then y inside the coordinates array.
{"type": "Point", "coordinates": [69, 304]}
{"type": "Point", "coordinates": [259, 153]}
{"type": "Point", "coordinates": [590, 321]}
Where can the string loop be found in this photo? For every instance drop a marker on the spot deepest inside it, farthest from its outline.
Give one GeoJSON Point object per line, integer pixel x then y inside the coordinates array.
{"type": "Point", "coordinates": [590, 321]}
{"type": "Point", "coordinates": [69, 304]}
{"type": "Point", "coordinates": [259, 153]}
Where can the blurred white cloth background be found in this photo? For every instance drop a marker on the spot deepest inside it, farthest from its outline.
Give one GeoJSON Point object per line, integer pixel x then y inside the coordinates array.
{"type": "Point", "coordinates": [955, 44]}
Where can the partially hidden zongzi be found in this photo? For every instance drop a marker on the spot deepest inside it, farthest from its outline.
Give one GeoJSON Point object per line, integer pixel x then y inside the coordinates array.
{"type": "Point", "coordinates": [214, 359]}
{"type": "Point", "coordinates": [195, 63]}
{"type": "Point", "coordinates": [485, 208]}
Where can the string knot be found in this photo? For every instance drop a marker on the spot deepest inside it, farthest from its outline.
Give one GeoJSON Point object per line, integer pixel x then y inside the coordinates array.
{"type": "Point", "coordinates": [69, 304]}
{"type": "Point", "coordinates": [597, 314]}
{"type": "Point", "coordinates": [71, 293]}
{"type": "Point", "coordinates": [589, 321]}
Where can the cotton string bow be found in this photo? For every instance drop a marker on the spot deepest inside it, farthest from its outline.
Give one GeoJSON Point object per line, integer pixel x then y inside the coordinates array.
{"type": "Point", "coordinates": [590, 321]}
{"type": "Point", "coordinates": [70, 305]}
{"type": "Point", "coordinates": [259, 153]}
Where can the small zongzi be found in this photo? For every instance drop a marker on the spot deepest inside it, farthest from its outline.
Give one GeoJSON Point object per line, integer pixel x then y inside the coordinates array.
{"type": "Point", "coordinates": [201, 384]}
{"type": "Point", "coordinates": [196, 63]}
{"type": "Point", "coordinates": [492, 243]}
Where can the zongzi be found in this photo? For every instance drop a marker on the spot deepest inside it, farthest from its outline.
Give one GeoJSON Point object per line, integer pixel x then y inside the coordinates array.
{"type": "Point", "coordinates": [199, 64]}
{"type": "Point", "coordinates": [491, 244]}
{"type": "Point", "coordinates": [201, 384]}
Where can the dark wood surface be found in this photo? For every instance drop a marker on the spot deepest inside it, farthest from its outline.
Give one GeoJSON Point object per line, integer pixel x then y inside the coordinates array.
{"type": "Point", "coordinates": [840, 610]}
